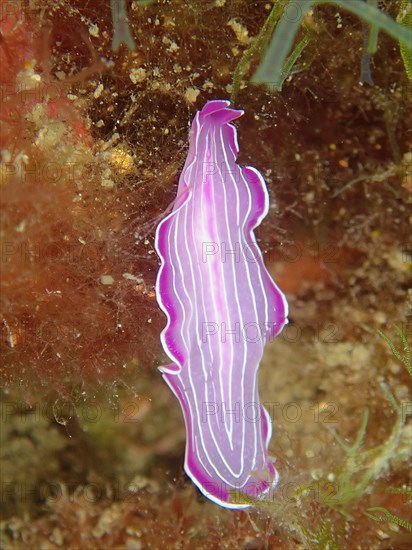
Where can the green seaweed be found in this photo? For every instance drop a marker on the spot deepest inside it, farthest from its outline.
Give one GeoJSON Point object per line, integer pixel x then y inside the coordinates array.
{"type": "Point", "coordinates": [370, 463]}
{"type": "Point", "coordinates": [360, 467]}
{"type": "Point", "coordinates": [373, 178]}
{"type": "Point", "coordinates": [407, 491]}
{"type": "Point", "coordinates": [382, 514]}
{"type": "Point", "coordinates": [291, 60]}
{"type": "Point", "coordinates": [405, 357]}
{"type": "Point", "coordinates": [256, 46]}
{"type": "Point", "coordinates": [270, 68]}
{"type": "Point", "coordinates": [405, 19]}
{"type": "Point", "coordinates": [354, 476]}
{"type": "Point", "coordinates": [322, 539]}
{"type": "Point", "coordinates": [121, 29]}
{"type": "Point", "coordinates": [373, 30]}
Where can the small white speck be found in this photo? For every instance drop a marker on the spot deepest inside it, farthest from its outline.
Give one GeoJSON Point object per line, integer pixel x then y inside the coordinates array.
{"type": "Point", "coordinates": [137, 75]}
{"type": "Point", "coordinates": [21, 227]}
{"type": "Point", "coordinates": [191, 94]}
{"type": "Point", "coordinates": [94, 30]}
{"type": "Point", "coordinates": [98, 91]}
{"type": "Point", "coordinates": [106, 280]}
{"type": "Point", "coordinates": [130, 277]}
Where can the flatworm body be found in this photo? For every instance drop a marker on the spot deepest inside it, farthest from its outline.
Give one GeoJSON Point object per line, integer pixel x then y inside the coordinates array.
{"type": "Point", "coordinates": [222, 307]}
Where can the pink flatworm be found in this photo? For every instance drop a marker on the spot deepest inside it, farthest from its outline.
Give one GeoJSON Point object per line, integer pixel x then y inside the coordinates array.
{"type": "Point", "coordinates": [222, 307]}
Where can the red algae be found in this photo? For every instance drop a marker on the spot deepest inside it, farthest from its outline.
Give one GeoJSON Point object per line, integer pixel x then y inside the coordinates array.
{"type": "Point", "coordinates": [71, 287]}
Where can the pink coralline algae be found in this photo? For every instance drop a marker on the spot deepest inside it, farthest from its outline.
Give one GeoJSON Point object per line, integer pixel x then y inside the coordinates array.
{"type": "Point", "coordinates": [222, 307]}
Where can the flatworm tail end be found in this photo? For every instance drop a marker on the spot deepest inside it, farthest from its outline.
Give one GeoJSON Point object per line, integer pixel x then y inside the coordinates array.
{"type": "Point", "coordinates": [226, 495]}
